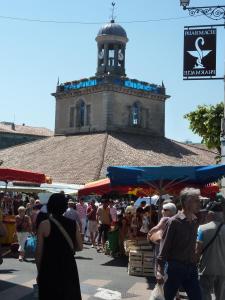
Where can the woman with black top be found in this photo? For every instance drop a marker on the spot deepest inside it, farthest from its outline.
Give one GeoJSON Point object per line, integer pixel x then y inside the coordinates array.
{"type": "Point", "coordinates": [58, 277]}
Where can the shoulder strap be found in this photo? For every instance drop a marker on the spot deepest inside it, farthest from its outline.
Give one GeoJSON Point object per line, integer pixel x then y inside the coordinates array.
{"type": "Point", "coordinates": [64, 233]}
{"type": "Point", "coordinates": [213, 238]}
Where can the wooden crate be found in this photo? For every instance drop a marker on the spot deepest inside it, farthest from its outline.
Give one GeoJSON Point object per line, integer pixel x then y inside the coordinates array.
{"type": "Point", "coordinates": [135, 256]}
{"type": "Point", "coordinates": [148, 259]}
{"type": "Point", "coordinates": [135, 247]}
{"type": "Point", "coordinates": [135, 271]}
{"type": "Point", "coordinates": [148, 264]}
{"type": "Point", "coordinates": [135, 259]}
{"type": "Point", "coordinates": [136, 253]}
{"type": "Point", "coordinates": [148, 274]}
{"type": "Point", "coordinates": [144, 242]}
{"type": "Point", "coordinates": [140, 272]}
{"type": "Point", "coordinates": [148, 253]}
{"type": "Point", "coordinates": [141, 263]}
{"type": "Point", "coordinates": [146, 247]}
{"type": "Point", "coordinates": [148, 271]}
{"type": "Point", "coordinates": [136, 263]}
{"type": "Point", "coordinates": [129, 245]}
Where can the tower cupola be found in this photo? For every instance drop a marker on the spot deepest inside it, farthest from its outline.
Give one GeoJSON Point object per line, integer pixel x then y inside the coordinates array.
{"type": "Point", "coordinates": [111, 41]}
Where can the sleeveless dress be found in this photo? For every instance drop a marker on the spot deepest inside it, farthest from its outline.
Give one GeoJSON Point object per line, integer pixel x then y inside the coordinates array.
{"type": "Point", "coordinates": [58, 278]}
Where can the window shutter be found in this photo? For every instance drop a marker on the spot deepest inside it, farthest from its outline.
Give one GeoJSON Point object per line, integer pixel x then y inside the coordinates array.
{"type": "Point", "coordinates": [88, 115]}
{"type": "Point", "coordinates": [72, 115]}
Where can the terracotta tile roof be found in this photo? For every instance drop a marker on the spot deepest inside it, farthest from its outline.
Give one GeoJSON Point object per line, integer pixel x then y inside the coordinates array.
{"type": "Point", "coordinates": [127, 149]}
{"type": "Point", "coordinates": [24, 129]}
{"type": "Point", "coordinates": [85, 158]}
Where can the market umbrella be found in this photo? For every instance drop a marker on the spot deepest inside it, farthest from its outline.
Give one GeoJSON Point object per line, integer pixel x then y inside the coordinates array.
{"type": "Point", "coordinates": [164, 177]}
{"type": "Point", "coordinates": [101, 187]}
{"type": "Point", "coordinates": [22, 175]}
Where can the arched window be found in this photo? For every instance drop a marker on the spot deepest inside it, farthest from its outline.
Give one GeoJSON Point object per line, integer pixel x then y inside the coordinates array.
{"type": "Point", "coordinates": [135, 114]}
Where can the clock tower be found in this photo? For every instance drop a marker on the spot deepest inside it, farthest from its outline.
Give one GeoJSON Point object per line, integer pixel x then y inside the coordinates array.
{"type": "Point", "coordinates": [110, 101]}
{"type": "Point", "coordinates": [111, 40]}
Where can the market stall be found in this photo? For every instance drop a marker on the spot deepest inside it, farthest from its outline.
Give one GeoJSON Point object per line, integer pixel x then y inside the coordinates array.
{"type": "Point", "coordinates": [104, 186]}
{"type": "Point", "coordinates": [22, 175]}
{"type": "Point", "coordinates": [101, 187]}
{"type": "Point", "coordinates": [8, 175]}
{"type": "Point", "coordinates": [168, 179]}
{"type": "Point", "coordinates": [161, 180]}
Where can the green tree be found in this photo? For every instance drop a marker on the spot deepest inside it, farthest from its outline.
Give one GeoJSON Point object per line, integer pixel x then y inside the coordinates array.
{"type": "Point", "coordinates": [206, 122]}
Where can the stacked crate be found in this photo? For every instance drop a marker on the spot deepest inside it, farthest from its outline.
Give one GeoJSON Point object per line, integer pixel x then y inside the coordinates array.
{"type": "Point", "coordinates": [148, 263]}
{"type": "Point", "coordinates": [141, 258]}
{"type": "Point", "coordinates": [129, 245]}
{"type": "Point", "coordinates": [135, 266]}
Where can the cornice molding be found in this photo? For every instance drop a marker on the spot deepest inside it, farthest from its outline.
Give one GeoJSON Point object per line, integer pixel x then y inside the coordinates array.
{"type": "Point", "coordinates": [110, 88]}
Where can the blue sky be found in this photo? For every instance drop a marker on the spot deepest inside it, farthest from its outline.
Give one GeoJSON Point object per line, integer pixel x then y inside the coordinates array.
{"type": "Point", "coordinates": [34, 54]}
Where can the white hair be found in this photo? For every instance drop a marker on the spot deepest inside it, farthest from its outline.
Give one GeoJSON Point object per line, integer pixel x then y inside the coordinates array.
{"type": "Point", "coordinates": [171, 207]}
{"type": "Point", "coordinates": [21, 208]}
{"type": "Point", "coordinates": [188, 193]}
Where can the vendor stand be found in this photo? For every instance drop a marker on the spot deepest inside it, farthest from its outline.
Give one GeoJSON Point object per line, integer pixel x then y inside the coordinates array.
{"type": "Point", "coordinates": [8, 175]}
{"type": "Point", "coordinates": [104, 187]}
{"type": "Point", "coordinates": [168, 179]}
{"type": "Point", "coordinates": [161, 180]}
{"type": "Point", "coordinates": [101, 187]}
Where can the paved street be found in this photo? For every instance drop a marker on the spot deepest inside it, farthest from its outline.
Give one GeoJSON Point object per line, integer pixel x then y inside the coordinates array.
{"type": "Point", "coordinates": [101, 277]}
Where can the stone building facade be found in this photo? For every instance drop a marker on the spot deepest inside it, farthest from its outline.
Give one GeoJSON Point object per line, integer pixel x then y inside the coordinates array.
{"type": "Point", "coordinates": [110, 101]}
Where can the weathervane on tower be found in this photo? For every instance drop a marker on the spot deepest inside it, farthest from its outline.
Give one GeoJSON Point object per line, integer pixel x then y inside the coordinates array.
{"type": "Point", "coordinates": [113, 11]}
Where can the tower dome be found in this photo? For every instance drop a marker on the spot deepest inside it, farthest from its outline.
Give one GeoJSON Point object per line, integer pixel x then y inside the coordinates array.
{"type": "Point", "coordinates": [111, 40]}
{"type": "Point", "coordinates": [112, 28]}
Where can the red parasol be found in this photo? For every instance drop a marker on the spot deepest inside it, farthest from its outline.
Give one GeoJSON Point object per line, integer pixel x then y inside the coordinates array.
{"type": "Point", "coordinates": [103, 186]}
{"type": "Point", "coordinates": [21, 175]}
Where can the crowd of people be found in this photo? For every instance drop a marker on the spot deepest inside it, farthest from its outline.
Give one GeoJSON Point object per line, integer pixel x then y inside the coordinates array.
{"type": "Point", "coordinates": [97, 220]}
{"type": "Point", "coordinates": [25, 210]}
{"type": "Point", "coordinates": [191, 248]}
{"type": "Point", "coordinates": [189, 240]}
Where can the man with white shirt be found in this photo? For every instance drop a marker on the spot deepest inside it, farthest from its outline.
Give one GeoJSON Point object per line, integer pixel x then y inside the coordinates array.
{"type": "Point", "coordinates": [130, 209]}
{"type": "Point", "coordinates": [82, 212]}
{"type": "Point", "coordinates": [113, 211]}
{"type": "Point", "coordinates": [72, 214]}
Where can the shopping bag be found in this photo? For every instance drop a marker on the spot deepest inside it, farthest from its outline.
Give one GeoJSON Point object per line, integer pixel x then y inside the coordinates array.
{"type": "Point", "coordinates": [157, 293]}
{"type": "Point", "coordinates": [30, 246]}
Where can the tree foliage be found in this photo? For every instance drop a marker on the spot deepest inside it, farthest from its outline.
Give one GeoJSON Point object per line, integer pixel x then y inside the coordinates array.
{"type": "Point", "coordinates": [206, 122]}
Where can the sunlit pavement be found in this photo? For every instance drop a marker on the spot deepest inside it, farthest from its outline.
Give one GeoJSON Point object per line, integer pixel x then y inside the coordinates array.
{"type": "Point", "coordinates": [101, 277]}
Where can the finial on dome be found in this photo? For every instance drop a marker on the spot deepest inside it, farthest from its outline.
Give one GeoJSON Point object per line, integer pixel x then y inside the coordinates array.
{"type": "Point", "coordinates": [113, 11]}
